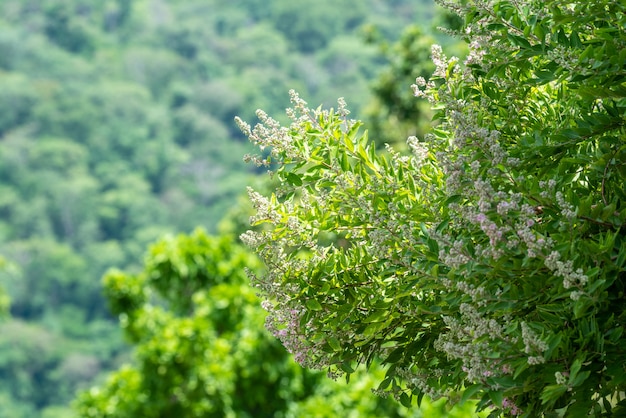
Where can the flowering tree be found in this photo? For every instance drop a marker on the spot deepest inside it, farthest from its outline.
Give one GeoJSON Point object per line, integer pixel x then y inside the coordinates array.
{"type": "Point", "coordinates": [490, 264]}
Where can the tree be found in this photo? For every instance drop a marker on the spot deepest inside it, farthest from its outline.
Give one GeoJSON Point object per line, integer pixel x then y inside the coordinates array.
{"type": "Point", "coordinates": [310, 25]}
{"type": "Point", "coordinates": [490, 263]}
{"type": "Point", "coordinates": [394, 114]}
{"type": "Point", "coordinates": [5, 301]}
{"type": "Point", "coordinates": [26, 352]}
{"type": "Point", "coordinates": [201, 350]}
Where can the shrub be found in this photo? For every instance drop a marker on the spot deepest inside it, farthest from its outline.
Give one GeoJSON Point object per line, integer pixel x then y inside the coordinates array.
{"type": "Point", "coordinates": [490, 263]}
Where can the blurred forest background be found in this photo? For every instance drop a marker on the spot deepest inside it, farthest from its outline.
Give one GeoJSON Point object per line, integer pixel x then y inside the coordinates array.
{"type": "Point", "coordinates": [116, 129]}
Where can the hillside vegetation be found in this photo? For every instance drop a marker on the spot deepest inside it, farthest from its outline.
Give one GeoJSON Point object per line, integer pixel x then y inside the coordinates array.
{"type": "Point", "coordinates": [116, 127]}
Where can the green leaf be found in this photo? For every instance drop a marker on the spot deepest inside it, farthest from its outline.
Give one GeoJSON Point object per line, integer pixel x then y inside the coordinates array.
{"type": "Point", "coordinates": [395, 355]}
{"type": "Point", "coordinates": [551, 393]}
{"type": "Point", "coordinates": [385, 383]}
{"type": "Point", "coordinates": [346, 367]}
{"type": "Point", "coordinates": [348, 141]}
{"type": "Point", "coordinates": [376, 316]}
{"type": "Point", "coordinates": [580, 378]}
{"type": "Point", "coordinates": [553, 343]}
{"type": "Point", "coordinates": [294, 179]}
{"type": "Point", "coordinates": [576, 365]}
{"type": "Point", "coordinates": [581, 307]}
{"type": "Point", "coordinates": [373, 328]}
{"type": "Point", "coordinates": [334, 343]}
{"type": "Point", "coordinates": [313, 305]}
{"type": "Point", "coordinates": [496, 397]}
{"type": "Point", "coordinates": [405, 400]}
{"type": "Point", "coordinates": [469, 393]}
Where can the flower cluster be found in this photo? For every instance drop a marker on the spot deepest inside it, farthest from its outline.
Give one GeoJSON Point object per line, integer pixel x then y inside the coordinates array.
{"type": "Point", "coordinates": [420, 379]}
{"type": "Point", "coordinates": [468, 339]}
{"type": "Point", "coordinates": [285, 325]}
{"type": "Point", "coordinates": [565, 269]}
{"type": "Point", "coordinates": [533, 345]}
{"type": "Point", "coordinates": [510, 406]}
{"type": "Point", "coordinates": [568, 211]}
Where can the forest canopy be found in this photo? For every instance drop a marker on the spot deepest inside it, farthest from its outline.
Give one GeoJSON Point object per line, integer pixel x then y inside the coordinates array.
{"type": "Point", "coordinates": [116, 129]}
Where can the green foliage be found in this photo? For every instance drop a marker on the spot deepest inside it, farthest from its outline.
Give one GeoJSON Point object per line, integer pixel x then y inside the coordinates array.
{"type": "Point", "coordinates": [177, 270]}
{"type": "Point", "coordinates": [489, 263]}
{"type": "Point", "coordinates": [310, 27]}
{"type": "Point", "coordinates": [201, 349]}
{"type": "Point", "coordinates": [17, 97]}
{"type": "Point", "coordinates": [54, 268]}
{"type": "Point", "coordinates": [394, 113]}
{"type": "Point", "coordinates": [5, 301]}
{"type": "Point", "coordinates": [27, 352]}
{"type": "Point", "coordinates": [116, 128]}
{"type": "Point", "coordinates": [116, 118]}
{"type": "Point", "coordinates": [333, 398]}
{"type": "Point", "coordinates": [189, 314]}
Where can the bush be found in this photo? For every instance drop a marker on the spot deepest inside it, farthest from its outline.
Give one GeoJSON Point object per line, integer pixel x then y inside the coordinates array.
{"type": "Point", "coordinates": [490, 263]}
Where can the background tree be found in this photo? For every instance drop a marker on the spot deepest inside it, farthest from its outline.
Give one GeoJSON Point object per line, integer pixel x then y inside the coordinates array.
{"type": "Point", "coordinates": [394, 114]}
{"type": "Point", "coordinates": [116, 127]}
{"type": "Point", "coordinates": [489, 263]}
{"type": "Point", "coordinates": [5, 301]}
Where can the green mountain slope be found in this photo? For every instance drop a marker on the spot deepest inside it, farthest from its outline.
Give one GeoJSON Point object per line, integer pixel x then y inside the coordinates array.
{"type": "Point", "coordinates": [116, 127]}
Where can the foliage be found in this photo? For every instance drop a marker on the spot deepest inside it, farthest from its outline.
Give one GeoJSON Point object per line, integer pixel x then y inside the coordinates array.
{"type": "Point", "coordinates": [201, 350]}
{"type": "Point", "coordinates": [5, 301]}
{"type": "Point", "coordinates": [490, 263]}
{"type": "Point", "coordinates": [116, 128]}
{"type": "Point", "coordinates": [312, 30]}
{"type": "Point", "coordinates": [333, 399]}
{"type": "Point", "coordinates": [116, 118]}
{"type": "Point", "coordinates": [394, 113]}
{"type": "Point", "coordinates": [33, 359]}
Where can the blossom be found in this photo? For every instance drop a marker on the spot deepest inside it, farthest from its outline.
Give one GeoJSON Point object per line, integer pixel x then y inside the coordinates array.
{"type": "Point", "coordinates": [509, 405]}
{"type": "Point", "coordinates": [567, 210]}
{"type": "Point", "coordinates": [565, 269]}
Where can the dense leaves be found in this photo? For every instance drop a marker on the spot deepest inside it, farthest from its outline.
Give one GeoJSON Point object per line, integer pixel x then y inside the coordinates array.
{"type": "Point", "coordinates": [201, 349]}
{"type": "Point", "coordinates": [489, 264]}
{"type": "Point", "coordinates": [116, 128]}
